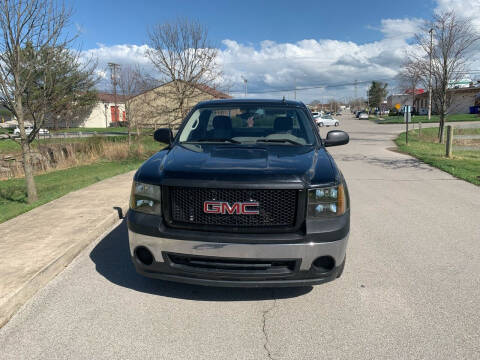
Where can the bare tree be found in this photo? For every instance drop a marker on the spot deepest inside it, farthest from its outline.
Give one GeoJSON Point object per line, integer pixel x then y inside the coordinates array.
{"type": "Point", "coordinates": [181, 53]}
{"type": "Point", "coordinates": [411, 75]}
{"type": "Point", "coordinates": [453, 38]}
{"type": "Point", "coordinates": [35, 25]}
{"type": "Point", "coordinates": [131, 82]}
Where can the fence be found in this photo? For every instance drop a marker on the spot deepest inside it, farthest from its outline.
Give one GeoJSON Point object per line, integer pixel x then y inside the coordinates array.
{"type": "Point", "coordinates": [462, 138]}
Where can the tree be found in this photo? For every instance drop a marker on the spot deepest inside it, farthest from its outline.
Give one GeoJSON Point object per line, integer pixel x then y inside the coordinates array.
{"type": "Point", "coordinates": [411, 75]}
{"type": "Point", "coordinates": [130, 82]}
{"type": "Point", "coordinates": [63, 88]}
{"type": "Point", "coordinates": [182, 55]}
{"type": "Point", "coordinates": [37, 25]}
{"type": "Point", "coordinates": [377, 93]}
{"type": "Point", "coordinates": [453, 38]}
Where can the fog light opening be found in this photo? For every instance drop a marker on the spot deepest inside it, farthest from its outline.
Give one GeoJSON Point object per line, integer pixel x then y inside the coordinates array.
{"type": "Point", "coordinates": [144, 255]}
{"type": "Point", "coordinates": [324, 264]}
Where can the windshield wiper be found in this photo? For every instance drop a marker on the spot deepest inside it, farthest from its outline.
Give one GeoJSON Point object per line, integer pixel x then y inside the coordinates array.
{"type": "Point", "coordinates": [215, 140]}
{"type": "Point", "coordinates": [280, 141]}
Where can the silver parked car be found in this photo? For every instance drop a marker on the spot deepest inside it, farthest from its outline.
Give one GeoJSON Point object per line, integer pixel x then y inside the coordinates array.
{"type": "Point", "coordinates": [326, 120]}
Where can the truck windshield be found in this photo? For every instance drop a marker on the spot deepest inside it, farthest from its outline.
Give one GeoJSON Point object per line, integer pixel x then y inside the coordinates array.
{"type": "Point", "coordinates": [253, 124]}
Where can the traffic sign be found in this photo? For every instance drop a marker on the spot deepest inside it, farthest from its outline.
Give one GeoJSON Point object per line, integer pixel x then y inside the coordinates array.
{"type": "Point", "coordinates": [398, 106]}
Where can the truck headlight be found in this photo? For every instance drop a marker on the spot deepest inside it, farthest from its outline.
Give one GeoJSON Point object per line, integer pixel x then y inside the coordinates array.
{"type": "Point", "coordinates": [146, 198]}
{"type": "Point", "coordinates": [327, 201]}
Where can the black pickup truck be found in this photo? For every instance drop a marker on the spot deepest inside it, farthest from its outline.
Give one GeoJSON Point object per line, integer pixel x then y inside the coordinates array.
{"type": "Point", "coordinates": [245, 195]}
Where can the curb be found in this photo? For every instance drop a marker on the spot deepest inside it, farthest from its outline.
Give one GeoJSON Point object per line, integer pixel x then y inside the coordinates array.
{"type": "Point", "coordinates": [12, 303]}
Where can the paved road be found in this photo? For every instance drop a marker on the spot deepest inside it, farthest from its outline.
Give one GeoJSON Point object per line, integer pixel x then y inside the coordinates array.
{"type": "Point", "coordinates": [410, 290]}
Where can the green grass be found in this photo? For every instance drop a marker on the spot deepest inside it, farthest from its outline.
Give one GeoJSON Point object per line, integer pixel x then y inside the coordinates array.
{"type": "Point", "coordinates": [9, 146]}
{"type": "Point", "coordinates": [465, 164]}
{"type": "Point", "coordinates": [433, 119]}
{"type": "Point", "coordinates": [50, 186]}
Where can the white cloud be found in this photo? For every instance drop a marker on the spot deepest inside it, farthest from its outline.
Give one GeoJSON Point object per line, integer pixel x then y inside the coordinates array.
{"type": "Point", "coordinates": [273, 67]}
{"type": "Point", "coordinates": [462, 8]}
{"type": "Point", "coordinates": [401, 28]}
{"type": "Point", "coordinates": [307, 63]}
{"type": "Point", "coordinates": [125, 54]}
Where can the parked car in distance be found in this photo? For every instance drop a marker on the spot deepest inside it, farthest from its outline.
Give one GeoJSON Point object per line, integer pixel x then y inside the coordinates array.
{"type": "Point", "coordinates": [28, 131]}
{"type": "Point", "coordinates": [327, 120]}
{"type": "Point", "coordinates": [363, 116]}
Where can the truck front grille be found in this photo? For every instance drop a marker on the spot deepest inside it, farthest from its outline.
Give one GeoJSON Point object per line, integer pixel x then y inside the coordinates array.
{"type": "Point", "coordinates": [277, 208]}
{"type": "Point", "coordinates": [238, 267]}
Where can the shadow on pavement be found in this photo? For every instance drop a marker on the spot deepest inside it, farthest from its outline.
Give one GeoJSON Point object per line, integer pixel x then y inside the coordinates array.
{"type": "Point", "coordinates": [388, 163]}
{"type": "Point", "coordinates": [112, 259]}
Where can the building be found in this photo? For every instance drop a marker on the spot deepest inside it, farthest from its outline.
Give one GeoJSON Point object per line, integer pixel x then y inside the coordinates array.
{"type": "Point", "coordinates": [461, 100]}
{"type": "Point", "coordinates": [402, 99]}
{"type": "Point", "coordinates": [103, 114]}
{"type": "Point", "coordinates": [157, 107]}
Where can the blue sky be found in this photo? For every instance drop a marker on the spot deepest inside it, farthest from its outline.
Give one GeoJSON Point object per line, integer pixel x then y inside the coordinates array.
{"type": "Point", "coordinates": [274, 44]}
{"type": "Point", "coordinates": [248, 21]}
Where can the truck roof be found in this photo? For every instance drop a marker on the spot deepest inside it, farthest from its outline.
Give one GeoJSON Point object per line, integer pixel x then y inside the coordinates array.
{"type": "Point", "coordinates": [218, 102]}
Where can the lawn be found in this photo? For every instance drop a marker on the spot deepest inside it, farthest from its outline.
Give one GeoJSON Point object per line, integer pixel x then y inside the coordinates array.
{"type": "Point", "coordinates": [433, 119]}
{"type": "Point", "coordinates": [54, 184]}
{"type": "Point", "coordinates": [50, 186]}
{"type": "Point", "coordinates": [465, 164]}
{"type": "Point", "coordinates": [9, 146]}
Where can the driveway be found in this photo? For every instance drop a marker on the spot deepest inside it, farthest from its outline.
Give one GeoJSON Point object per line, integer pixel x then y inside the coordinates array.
{"type": "Point", "coordinates": [410, 290]}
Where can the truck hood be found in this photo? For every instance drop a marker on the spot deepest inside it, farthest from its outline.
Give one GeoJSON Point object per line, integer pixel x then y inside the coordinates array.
{"type": "Point", "coordinates": [249, 165]}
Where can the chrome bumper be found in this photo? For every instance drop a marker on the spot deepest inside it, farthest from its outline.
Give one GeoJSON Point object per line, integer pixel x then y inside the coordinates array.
{"type": "Point", "coordinates": [307, 252]}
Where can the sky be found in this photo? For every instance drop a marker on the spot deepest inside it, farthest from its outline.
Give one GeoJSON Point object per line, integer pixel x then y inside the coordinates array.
{"type": "Point", "coordinates": [316, 46]}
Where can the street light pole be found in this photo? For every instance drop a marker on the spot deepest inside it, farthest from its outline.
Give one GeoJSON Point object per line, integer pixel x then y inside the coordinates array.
{"type": "Point", "coordinates": [245, 83]}
{"type": "Point", "coordinates": [295, 92]}
{"type": "Point", "coordinates": [430, 77]}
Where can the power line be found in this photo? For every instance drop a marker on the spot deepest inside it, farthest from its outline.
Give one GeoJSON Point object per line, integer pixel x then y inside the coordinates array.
{"type": "Point", "coordinates": [324, 86]}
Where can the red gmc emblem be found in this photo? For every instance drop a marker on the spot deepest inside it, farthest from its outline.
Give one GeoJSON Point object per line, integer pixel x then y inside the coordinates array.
{"type": "Point", "coordinates": [223, 207]}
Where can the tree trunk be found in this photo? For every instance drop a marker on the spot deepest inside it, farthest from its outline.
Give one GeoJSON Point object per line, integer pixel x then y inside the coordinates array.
{"type": "Point", "coordinates": [443, 112]}
{"type": "Point", "coordinates": [27, 164]}
{"type": "Point", "coordinates": [27, 168]}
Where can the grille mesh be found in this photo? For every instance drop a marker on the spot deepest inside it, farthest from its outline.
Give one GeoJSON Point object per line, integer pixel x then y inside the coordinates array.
{"type": "Point", "coordinates": [277, 207]}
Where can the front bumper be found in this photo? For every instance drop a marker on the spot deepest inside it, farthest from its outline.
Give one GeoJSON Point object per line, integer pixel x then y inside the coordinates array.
{"type": "Point", "coordinates": [302, 254]}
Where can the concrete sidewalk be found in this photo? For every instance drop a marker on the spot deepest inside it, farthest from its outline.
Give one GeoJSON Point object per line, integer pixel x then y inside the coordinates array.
{"type": "Point", "coordinates": [37, 245]}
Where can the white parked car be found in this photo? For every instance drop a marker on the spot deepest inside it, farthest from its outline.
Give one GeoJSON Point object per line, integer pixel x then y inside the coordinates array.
{"type": "Point", "coordinates": [327, 120]}
{"type": "Point", "coordinates": [363, 116]}
{"type": "Point", "coordinates": [28, 131]}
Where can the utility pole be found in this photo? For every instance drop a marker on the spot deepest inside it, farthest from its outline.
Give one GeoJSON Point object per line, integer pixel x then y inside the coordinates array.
{"type": "Point", "coordinates": [430, 77]}
{"type": "Point", "coordinates": [113, 73]}
{"type": "Point", "coordinates": [356, 93]}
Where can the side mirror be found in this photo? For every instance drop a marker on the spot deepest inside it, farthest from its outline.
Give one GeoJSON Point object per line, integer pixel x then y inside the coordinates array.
{"type": "Point", "coordinates": [336, 137]}
{"type": "Point", "coordinates": [163, 135]}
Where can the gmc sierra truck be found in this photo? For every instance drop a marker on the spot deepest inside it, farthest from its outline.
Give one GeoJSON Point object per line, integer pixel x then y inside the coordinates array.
{"type": "Point", "coordinates": [245, 194]}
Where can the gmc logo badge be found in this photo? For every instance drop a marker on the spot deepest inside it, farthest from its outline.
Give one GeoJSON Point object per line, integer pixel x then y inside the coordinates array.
{"type": "Point", "coordinates": [223, 207]}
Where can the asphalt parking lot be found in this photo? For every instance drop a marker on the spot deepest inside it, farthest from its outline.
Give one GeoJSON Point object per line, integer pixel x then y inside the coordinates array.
{"type": "Point", "coordinates": [410, 289]}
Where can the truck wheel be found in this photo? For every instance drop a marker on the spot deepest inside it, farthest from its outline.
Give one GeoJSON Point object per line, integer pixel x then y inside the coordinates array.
{"type": "Point", "coordinates": [336, 124]}
{"type": "Point", "coordinates": [340, 270]}
{"type": "Point", "coordinates": [320, 124]}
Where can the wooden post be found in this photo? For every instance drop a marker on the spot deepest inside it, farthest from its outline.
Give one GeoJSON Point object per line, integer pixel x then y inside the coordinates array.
{"type": "Point", "coordinates": [419, 129]}
{"type": "Point", "coordinates": [448, 152]}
